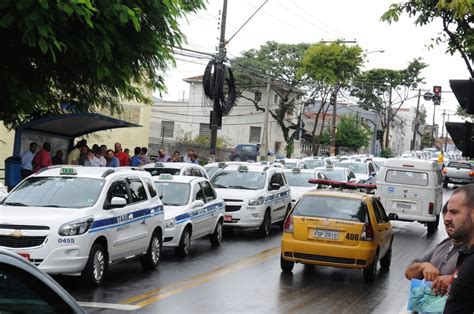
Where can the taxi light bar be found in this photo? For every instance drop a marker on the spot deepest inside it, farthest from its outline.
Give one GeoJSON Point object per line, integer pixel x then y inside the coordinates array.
{"type": "Point", "coordinates": [243, 168]}
{"type": "Point", "coordinates": [296, 170]}
{"type": "Point", "coordinates": [343, 185]}
{"type": "Point", "coordinates": [159, 164]}
{"type": "Point", "coordinates": [68, 171]}
{"type": "Point", "coordinates": [165, 176]}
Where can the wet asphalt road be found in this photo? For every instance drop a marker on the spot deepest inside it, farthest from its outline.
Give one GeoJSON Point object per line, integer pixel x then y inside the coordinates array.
{"type": "Point", "coordinates": [243, 275]}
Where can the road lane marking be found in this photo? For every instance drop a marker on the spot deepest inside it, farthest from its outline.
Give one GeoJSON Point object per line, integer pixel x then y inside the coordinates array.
{"type": "Point", "coordinates": [113, 306]}
{"type": "Point", "coordinates": [175, 288]}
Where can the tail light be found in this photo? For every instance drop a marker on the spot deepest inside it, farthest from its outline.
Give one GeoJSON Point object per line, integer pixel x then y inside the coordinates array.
{"type": "Point", "coordinates": [288, 225]}
{"type": "Point", "coordinates": [471, 173]}
{"type": "Point", "coordinates": [367, 232]}
{"type": "Point", "coordinates": [445, 170]}
{"type": "Point", "coordinates": [431, 208]}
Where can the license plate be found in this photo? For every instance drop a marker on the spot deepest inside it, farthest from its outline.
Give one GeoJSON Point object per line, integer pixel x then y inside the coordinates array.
{"type": "Point", "coordinates": [326, 234]}
{"type": "Point", "coordinates": [25, 256]}
{"type": "Point", "coordinates": [228, 218]}
{"type": "Point", "coordinates": [404, 205]}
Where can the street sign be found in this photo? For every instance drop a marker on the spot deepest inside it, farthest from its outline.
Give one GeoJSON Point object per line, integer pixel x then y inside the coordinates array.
{"type": "Point", "coordinates": [428, 96]}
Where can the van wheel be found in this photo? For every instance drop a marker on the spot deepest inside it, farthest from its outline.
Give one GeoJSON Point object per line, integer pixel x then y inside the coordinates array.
{"type": "Point", "coordinates": [432, 226]}
{"type": "Point", "coordinates": [150, 260]}
{"type": "Point", "coordinates": [184, 247]}
{"type": "Point", "coordinates": [286, 266]}
{"type": "Point", "coordinates": [371, 272]}
{"type": "Point", "coordinates": [266, 225]}
{"type": "Point", "coordinates": [216, 237]}
{"type": "Point", "coordinates": [96, 267]}
{"type": "Point", "coordinates": [387, 259]}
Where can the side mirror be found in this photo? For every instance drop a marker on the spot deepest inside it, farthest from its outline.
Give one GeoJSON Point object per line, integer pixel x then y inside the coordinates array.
{"type": "Point", "coordinates": [392, 216]}
{"type": "Point", "coordinates": [373, 174]}
{"type": "Point", "coordinates": [117, 202]}
{"type": "Point", "coordinates": [197, 203]}
{"type": "Point", "coordinates": [274, 186]}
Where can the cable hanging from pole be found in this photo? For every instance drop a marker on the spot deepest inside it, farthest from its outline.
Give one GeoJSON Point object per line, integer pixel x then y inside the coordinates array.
{"type": "Point", "coordinates": [214, 83]}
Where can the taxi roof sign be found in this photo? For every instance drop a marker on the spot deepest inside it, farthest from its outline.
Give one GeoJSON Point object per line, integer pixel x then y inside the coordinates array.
{"type": "Point", "coordinates": [243, 168]}
{"type": "Point", "coordinates": [165, 176]}
{"type": "Point", "coordinates": [159, 164]}
{"type": "Point", "coordinates": [296, 170]}
{"type": "Point", "coordinates": [221, 164]}
{"type": "Point", "coordinates": [68, 171]}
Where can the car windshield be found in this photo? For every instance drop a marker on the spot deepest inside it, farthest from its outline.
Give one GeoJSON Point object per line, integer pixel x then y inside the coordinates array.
{"type": "Point", "coordinates": [65, 192]}
{"type": "Point", "coordinates": [245, 180]}
{"type": "Point", "coordinates": [158, 171]}
{"type": "Point", "coordinates": [290, 165]}
{"type": "Point", "coordinates": [459, 165]}
{"type": "Point", "coordinates": [331, 207]}
{"type": "Point", "coordinates": [315, 163]}
{"type": "Point", "coordinates": [173, 193]}
{"type": "Point", "coordinates": [355, 167]}
{"type": "Point", "coordinates": [211, 170]}
{"type": "Point", "coordinates": [336, 175]}
{"type": "Point", "coordinates": [299, 179]}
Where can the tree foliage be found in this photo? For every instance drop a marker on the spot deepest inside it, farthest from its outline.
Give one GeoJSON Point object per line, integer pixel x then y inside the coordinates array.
{"type": "Point", "coordinates": [350, 133]}
{"type": "Point", "coordinates": [456, 17]}
{"type": "Point", "coordinates": [281, 62]}
{"type": "Point", "coordinates": [384, 91]}
{"type": "Point", "coordinates": [87, 54]}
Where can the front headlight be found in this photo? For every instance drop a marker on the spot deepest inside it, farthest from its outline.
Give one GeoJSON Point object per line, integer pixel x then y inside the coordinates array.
{"type": "Point", "coordinates": [170, 223]}
{"type": "Point", "coordinates": [256, 201]}
{"type": "Point", "coordinates": [76, 227]}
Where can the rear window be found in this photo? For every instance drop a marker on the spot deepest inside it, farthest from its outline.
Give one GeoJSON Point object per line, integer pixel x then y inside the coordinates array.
{"type": "Point", "coordinates": [331, 207]}
{"type": "Point", "coordinates": [407, 177]}
{"type": "Point", "coordinates": [459, 165]}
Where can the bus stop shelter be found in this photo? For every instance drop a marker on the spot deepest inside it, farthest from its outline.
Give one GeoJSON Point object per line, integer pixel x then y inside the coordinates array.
{"type": "Point", "coordinates": [60, 131]}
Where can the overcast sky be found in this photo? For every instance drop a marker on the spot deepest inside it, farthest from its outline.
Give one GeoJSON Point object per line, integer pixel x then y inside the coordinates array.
{"type": "Point", "coordinates": [291, 21]}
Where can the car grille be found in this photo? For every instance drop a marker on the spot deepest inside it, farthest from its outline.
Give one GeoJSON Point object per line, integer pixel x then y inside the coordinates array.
{"type": "Point", "coordinates": [232, 208]}
{"type": "Point", "coordinates": [232, 200]}
{"type": "Point", "coordinates": [329, 259]}
{"type": "Point", "coordinates": [20, 242]}
{"type": "Point", "coordinates": [23, 227]}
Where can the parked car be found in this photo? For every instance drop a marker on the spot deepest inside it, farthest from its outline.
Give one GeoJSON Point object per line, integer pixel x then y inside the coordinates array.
{"type": "Point", "coordinates": [316, 162]}
{"type": "Point", "coordinates": [364, 171]}
{"type": "Point", "coordinates": [176, 169]}
{"type": "Point", "coordinates": [458, 172]}
{"type": "Point", "coordinates": [244, 152]}
{"type": "Point", "coordinates": [26, 289]}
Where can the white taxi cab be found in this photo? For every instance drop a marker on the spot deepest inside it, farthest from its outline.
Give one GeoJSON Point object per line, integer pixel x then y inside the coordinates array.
{"type": "Point", "coordinates": [255, 196]}
{"type": "Point", "coordinates": [192, 211]}
{"type": "Point", "coordinates": [298, 181]}
{"type": "Point", "coordinates": [77, 220]}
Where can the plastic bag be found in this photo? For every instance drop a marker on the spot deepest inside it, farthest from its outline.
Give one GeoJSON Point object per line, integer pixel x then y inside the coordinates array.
{"type": "Point", "coordinates": [422, 298]}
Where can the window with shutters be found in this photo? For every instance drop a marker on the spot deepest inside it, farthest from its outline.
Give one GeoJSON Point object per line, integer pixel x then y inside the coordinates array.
{"type": "Point", "coordinates": [204, 129]}
{"type": "Point", "coordinates": [167, 129]}
{"type": "Point", "coordinates": [255, 132]}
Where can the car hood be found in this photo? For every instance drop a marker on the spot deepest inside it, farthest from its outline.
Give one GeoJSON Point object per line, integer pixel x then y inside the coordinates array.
{"type": "Point", "coordinates": [25, 215]}
{"type": "Point", "coordinates": [237, 194]}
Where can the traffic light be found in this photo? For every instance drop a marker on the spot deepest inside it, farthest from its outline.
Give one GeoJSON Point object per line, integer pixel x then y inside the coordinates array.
{"type": "Point", "coordinates": [463, 136]}
{"type": "Point", "coordinates": [379, 134]}
{"type": "Point", "coordinates": [437, 95]}
{"type": "Point", "coordinates": [464, 92]}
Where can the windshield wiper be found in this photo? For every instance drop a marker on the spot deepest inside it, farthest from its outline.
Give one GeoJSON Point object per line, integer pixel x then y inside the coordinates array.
{"type": "Point", "coordinates": [219, 186]}
{"type": "Point", "coordinates": [239, 187]}
{"type": "Point", "coordinates": [52, 206]}
{"type": "Point", "coordinates": [14, 204]}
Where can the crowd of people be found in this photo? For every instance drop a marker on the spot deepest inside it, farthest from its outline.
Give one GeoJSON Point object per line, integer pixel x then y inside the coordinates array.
{"type": "Point", "coordinates": [96, 156]}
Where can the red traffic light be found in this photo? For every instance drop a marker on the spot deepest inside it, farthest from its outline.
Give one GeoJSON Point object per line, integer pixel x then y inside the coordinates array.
{"type": "Point", "coordinates": [437, 90]}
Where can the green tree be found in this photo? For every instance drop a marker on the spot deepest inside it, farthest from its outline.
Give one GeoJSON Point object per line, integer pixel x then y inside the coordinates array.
{"type": "Point", "coordinates": [384, 91]}
{"type": "Point", "coordinates": [456, 18]}
{"type": "Point", "coordinates": [84, 53]}
{"type": "Point", "coordinates": [350, 133]}
{"type": "Point", "coordinates": [327, 69]}
{"type": "Point", "coordinates": [281, 62]}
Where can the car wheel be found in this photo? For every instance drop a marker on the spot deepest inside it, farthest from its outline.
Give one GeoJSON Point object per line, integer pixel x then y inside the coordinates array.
{"type": "Point", "coordinates": [371, 272]}
{"type": "Point", "coordinates": [184, 247]}
{"type": "Point", "coordinates": [432, 226]}
{"type": "Point", "coordinates": [97, 265]}
{"type": "Point", "coordinates": [216, 237]}
{"type": "Point", "coordinates": [387, 259]}
{"type": "Point", "coordinates": [150, 260]}
{"type": "Point", "coordinates": [286, 266]}
{"type": "Point", "coordinates": [266, 225]}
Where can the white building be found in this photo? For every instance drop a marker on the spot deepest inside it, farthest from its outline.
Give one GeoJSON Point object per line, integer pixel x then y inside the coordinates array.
{"type": "Point", "coordinates": [402, 129]}
{"type": "Point", "coordinates": [176, 121]}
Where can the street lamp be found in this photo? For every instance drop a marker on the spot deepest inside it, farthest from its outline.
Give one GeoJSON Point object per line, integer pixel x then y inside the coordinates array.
{"type": "Point", "coordinates": [374, 51]}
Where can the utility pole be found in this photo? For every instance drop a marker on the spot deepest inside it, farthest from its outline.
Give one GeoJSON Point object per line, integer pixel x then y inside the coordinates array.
{"type": "Point", "coordinates": [417, 123]}
{"type": "Point", "coordinates": [434, 128]}
{"type": "Point", "coordinates": [333, 127]}
{"type": "Point", "coordinates": [219, 80]}
{"type": "Point", "coordinates": [442, 126]}
{"type": "Point", "coordinates": [387, 133]}
{"type": "Point", "coordinates": [446, 139]}
{"type": "Point", "coordinates": [264, 150]}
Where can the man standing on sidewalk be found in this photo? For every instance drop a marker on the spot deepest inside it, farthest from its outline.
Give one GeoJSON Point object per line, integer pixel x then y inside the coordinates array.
{"type": "Point", "coordinates": [121, 155]}
{"type": "Point", "coordinates": [26, 160]}
{"type": "Point", "coordinates": [42, 158]}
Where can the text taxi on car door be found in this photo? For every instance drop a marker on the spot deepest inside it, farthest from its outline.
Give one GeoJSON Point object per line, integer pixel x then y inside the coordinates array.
{"type": "Point", "coordinates": [255, 196]}
{"type": "Point", "coordinates": [192, 211]}
{"type": "Point", "coordinates": [77, 220]}
{"type": "Point", "coordinates": [339, 229]}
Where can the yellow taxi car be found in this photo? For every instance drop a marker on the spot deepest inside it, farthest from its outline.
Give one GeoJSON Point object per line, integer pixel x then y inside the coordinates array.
{"type": "Point", "coordinates": [338, 229]}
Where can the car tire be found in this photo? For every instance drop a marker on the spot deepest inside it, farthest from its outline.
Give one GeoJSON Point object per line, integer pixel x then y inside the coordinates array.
{"type": "Point", "coordinates": [371, 272]}
{"type": "Point", "coordinates": [433, 225]}
{"type": "Point", "coordinates": [266, 225]}
{"type": "Point", "coordinates": [96, 267]}
{"type": "Point", "coordinates": [216, 236]}
{"type": "Point", "coordinates": [286, 266]}
{"type": "Point", "coordinates": [151, 259]}
{"type": "Point", "coordinates": [387, 259]}
{"type": "Point", "coordinates": [184, 247]}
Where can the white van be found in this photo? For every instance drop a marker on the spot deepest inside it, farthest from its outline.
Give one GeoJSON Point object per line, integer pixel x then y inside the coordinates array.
{"type": "Point", "coordinates": [411, 190]}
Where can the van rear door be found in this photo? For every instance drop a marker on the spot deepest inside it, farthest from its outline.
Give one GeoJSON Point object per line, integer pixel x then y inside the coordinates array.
{"type": "Point", "coordinates": [405, 191]}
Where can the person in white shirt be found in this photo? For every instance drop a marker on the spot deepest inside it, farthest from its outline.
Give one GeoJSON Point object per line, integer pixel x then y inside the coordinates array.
{"type": "Point", "coordinates": [26, 160]}
{"type": "Point", "coordinates": [92, 160]}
